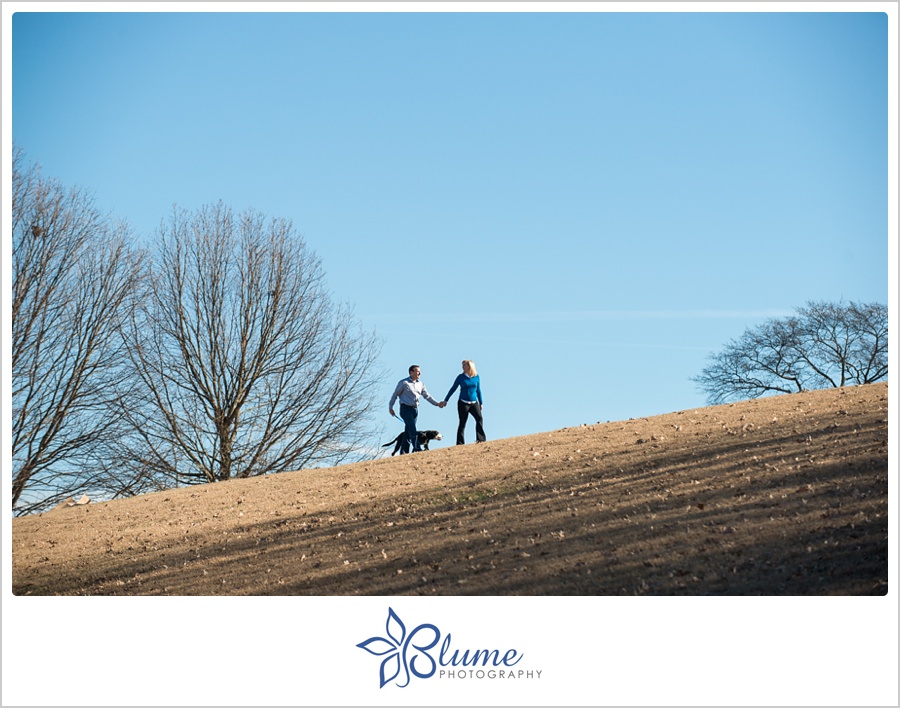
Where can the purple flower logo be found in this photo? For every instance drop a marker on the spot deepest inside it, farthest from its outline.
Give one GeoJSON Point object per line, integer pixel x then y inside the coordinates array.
{"type": "Point", "coordinates": [404, 655]}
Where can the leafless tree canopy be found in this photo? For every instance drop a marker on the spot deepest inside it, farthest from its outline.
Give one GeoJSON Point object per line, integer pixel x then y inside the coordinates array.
{"type": "Point", "coordinates": [246, 365]}
{"type": "Point", "coordinates": [72, 271]}
{"type": "Point", "coordinates": [220, 356]}
{"type": "Point", "coordinates": [823, 345]}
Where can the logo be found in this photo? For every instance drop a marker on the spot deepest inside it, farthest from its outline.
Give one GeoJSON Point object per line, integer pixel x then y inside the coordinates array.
{"type": "Point", "coordinates": [421, 654]}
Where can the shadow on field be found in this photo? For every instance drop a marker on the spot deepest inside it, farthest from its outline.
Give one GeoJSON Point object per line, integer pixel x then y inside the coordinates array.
{"type": "Point", "coordinates": [802, 514]}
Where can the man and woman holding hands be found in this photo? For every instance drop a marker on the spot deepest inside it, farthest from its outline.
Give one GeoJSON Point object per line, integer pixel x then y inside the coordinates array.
{"type": "Point", "coordinates": [410, 389]}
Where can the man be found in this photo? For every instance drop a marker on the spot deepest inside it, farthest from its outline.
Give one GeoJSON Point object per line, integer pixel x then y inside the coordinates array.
{"type": "Point", "coordinates": [409, 390]}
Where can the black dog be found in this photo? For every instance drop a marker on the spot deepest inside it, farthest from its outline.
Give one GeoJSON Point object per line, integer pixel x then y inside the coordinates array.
{"type": "Point", "coordinates": [425, 437]}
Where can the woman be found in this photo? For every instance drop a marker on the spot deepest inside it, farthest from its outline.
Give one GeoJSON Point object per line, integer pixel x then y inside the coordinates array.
{"type": "Point", "coordinates": [469, 385]}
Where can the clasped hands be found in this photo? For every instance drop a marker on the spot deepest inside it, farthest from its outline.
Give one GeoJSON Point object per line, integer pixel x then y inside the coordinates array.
{"type": "Point", "coordinates": [443, 404]}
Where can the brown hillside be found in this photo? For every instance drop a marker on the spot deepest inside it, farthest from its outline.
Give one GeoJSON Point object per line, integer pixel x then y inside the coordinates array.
{"type": "Point", "coordinates": [782, 495]}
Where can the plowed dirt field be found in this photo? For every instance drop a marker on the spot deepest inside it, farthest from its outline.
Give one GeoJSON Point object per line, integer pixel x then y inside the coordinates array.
{"type": "Point", "coordinates": [786, 495]}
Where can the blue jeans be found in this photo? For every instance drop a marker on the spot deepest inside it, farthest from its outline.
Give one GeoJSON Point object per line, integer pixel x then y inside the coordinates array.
{"type": "Point", "coordinates": [409, 414]}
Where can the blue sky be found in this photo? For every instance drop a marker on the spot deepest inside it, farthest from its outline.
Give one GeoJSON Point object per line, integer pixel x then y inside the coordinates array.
{"type": "Point", "coordinates": [585, 204]}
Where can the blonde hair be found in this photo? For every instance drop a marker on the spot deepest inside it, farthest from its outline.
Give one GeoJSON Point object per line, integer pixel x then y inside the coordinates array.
{"type": "Point", "coordinates": [469, 366]}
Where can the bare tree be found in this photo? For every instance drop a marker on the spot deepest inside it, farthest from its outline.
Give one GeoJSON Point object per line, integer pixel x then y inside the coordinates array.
{"type": "Point", "coordinates": [844, 344]}
{"type": "Point", "coordinates": [72, 272]}
{"type": "Point", "coordinates": [247, 365]}
{"type": "Point", "coordinates": [823, 345]}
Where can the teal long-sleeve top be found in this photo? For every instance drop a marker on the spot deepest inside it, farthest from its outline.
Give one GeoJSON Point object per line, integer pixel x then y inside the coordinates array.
{"type": "Point", "coordinates": [469, 389]}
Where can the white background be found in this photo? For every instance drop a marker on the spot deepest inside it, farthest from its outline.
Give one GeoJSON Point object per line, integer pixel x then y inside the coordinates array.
{"type": "Point", "coordinates": [590, 651]}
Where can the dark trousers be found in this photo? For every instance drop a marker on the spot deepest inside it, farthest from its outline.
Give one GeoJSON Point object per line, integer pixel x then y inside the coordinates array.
{"type": "Point", "coordinates": [464, 410]}
{"type": "Point", "coordinates": [409, 414]}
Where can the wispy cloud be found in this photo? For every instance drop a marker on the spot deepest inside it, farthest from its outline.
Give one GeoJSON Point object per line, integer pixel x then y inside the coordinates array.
{"type": "Point", "coordinates": [579, 316]}
{"type": "Point", "coordinates": [427, 334]}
